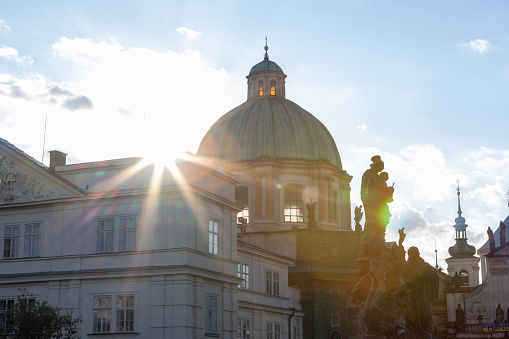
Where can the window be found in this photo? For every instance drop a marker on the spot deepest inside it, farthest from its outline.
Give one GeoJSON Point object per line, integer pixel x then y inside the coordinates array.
{"type": "Point", "coordinates": [272, 282]}
{"type": "Point", "coordinates": [32, 240]}
{"type": "Point", "coordinates": [244, 331]}
{"type": "Point", "coordinates": [104, 235]}
{"type": "Point", "coordinates": [107, 236]}
{"type": "Point", "coordinates": [260, 88]}
{"type": "Point", "coordinates": [127, 233]}
{"type": "Point", "coordinates": [6, 306]}
{"type": "Point", "coordinates": [213, 236]}
{"type": "Point", "coordinates": [293, 210]}
{"type": "Point", "coordinates": [463, 278]}
{"type": "Point", "coordinates": [121, 313]}
{"type": "Point", "coordinates": [243, 273]}
{"type": "Point", "coordinates": [125, 313]}
{"type": "Point", "coordinates": [212, 314]}
{"type": "Point", "coordinates": [294, 332]}
{"type": "Point", "coordinates": [273, 87]}
{"type": "Point", "coordinates": [335, 335]}
{"type": "Point", "coordinates": [242, 198]}
{"type": "Point", "coordinates": [273, 330]}
{"type": "Point", "coordinates": [11, 241]}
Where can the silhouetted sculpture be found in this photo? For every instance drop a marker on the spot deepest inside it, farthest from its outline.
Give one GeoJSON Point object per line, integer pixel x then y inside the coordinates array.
{"type": "Point", "coordinates": [491, 239]}
{"type": "Point", "coordinates": [499, 315]}
{"type": "Point", "coordinates": [502, 230]}
{"type": "Point", "coordinates": [422, 280]}
{"type": "Point", "coordinates": [310, 206]}
{"type": "Point", "coordinates": [402, 236]}
{"type": "Point", "coordinates": [357, 218]}
{"type": "Point", "coordinates": [460, 319]}
{"type": "Point", "coordinates": [375, 195]}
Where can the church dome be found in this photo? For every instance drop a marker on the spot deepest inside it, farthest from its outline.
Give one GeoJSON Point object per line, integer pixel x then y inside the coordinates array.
{"type": "Point", "coordinates": [265, 65]}
{"type": "Point", "coordinates": [268, 125]}
{"type": "Point", "coordinates": [272, 127]}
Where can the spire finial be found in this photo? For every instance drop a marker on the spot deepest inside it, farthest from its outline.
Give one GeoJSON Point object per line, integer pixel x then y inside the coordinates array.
{"type": "Point", "coordinates": [266, 49]}
{"type": "Point", "coordinates": [458, 189]}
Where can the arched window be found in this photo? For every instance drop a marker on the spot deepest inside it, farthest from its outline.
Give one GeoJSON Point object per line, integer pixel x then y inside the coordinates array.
{"type": "Point", "coordinates": [293, 210]}
{"type": "Point", "coordinates": [260, 88]}
{"type": "Point", "coordinates": [464, 278]}
{"type": "Point", "coordinates": [242, 198]}
{"type": "Point", "coordinates": [335, 335]}
{"type": "Point", "coordinates": [273, 87]}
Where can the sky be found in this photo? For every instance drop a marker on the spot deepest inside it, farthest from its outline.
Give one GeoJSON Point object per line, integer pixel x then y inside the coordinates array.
{"type": "Point", "coordinates": [424, 84]}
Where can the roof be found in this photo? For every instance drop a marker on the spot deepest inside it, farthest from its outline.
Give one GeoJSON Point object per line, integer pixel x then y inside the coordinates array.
{"type": "Point", "coordinates": [20, 152]}
{"type": "Point", "coordinates": [265, 65]}
{"type": "Point", "coordinates": [272, 127]}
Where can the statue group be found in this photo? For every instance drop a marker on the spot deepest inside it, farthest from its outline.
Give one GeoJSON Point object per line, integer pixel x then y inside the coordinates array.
{"type": "Point", "coordinates": [393, 296]}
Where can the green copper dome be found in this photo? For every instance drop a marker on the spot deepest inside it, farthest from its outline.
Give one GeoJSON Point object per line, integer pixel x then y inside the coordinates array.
{"type": "Point", "coordinates": [271, 127]}
{"type": "Point", "coordinates": [265, 65]}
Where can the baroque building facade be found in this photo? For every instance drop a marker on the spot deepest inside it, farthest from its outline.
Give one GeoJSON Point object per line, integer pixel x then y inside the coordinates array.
{"type": "Point", "coordinates": [250, 238]}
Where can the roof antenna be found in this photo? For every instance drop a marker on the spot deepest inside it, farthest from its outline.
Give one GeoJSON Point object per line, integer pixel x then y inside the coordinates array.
{"type": "Point", "coordinates": [266, 49]}
{"type": "Point", "coordinates": [44, 139]}
{"type": "Point", "coordinates": [436, 256]}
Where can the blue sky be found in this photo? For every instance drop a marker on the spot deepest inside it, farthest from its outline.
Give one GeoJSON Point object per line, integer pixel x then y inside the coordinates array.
{"type": "Point", "coordinates": [423, 83]}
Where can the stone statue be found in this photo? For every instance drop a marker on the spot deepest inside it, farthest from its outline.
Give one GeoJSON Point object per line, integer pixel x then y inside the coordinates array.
{"type": "Point", "coordinates": [357, 218]}
{"type": "Point", "coordinates": [375, 195]}
{"type": "Point", "coordinates": [502, 229]}
{"type": "Point", "coordinates": [499, 315]}
{"type": "Point", "coordinates": [310, 206]}
{"type": "Point", "coordinates": [491, 239]}
{"type": "Point", "coordinates": [422, 280]}
{"type": "Point", "coordinates": [402, 236]}
{"type": "Point", "coordinates": [460, 319]}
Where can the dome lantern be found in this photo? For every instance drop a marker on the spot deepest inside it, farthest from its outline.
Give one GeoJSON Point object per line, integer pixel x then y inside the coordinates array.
{"type": "Point", "coordinates": [266, 78]}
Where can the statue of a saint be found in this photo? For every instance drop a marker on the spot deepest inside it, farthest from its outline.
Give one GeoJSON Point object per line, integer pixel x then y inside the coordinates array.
{"type": "Point", "coordinates": [491, 239]}
{"type": "Point", "coordinates": [310, 206]}
{"type": "Point", "coordinates": [357, 218]}
{"type": "Point", "coordinates": [460, 319]}
{"type": "Point", "coordinates": [502, 229]}
{"type": "Point", "coordinates": [375, 195]}
{"type": "Point", "coordinates": [499, 315]}
{"type": "Point", "coordinates": [422, 280]}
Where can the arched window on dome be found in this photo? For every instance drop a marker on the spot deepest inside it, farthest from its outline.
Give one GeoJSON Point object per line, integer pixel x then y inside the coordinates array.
{"type": "Point", "coordinates": [293, 204]}
{"type": "Point", "coordinates": [463, 278]}
{"type": "Point", "coordinates": [242, 198]}
{"type": "Point", "coordinates": [260, 88]}
{"type": "Point", "coordinates": [273, 87]}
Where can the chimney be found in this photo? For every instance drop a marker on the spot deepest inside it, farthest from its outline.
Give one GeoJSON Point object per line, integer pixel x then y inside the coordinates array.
{"type": "Point", "coordinates": [56, 158]}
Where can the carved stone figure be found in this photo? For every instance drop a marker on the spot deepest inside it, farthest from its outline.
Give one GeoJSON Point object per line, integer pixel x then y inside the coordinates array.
{"type": "Point", "coordinates": [375, 195]}
{"type": "Point", "coordinates": [499, 315]}
{"type": "Point", "coordinates": [422, 280]}
{"type": "Point", "coordinates": [402, 236]}
{"type": "Point", "coordinates": [357, 218]}
{"type": "Point", "coordinates": [491, 239]}
{"type": "Point", "coordinates": [460, 319]}
{"type": "Point", "coordinates": [310, 206]}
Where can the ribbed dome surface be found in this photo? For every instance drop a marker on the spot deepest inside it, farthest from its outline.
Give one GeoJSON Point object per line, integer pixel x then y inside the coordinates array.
{"type": "Point", "coordinates": [269, 126]}
{"type": "Point", "coordinates": [265, 65]}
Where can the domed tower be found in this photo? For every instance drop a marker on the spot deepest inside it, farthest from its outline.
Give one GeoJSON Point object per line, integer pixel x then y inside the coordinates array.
{"type": "Point", "coordinates": [462, 260]}
{"type": "Point", "coordinates": [282, 156]}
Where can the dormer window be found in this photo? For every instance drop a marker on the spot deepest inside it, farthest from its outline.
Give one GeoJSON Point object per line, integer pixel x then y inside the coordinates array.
{"type": "Point", "coordinates": [260, 88]}
{"type": "Point", "coordinates": [273, 87]}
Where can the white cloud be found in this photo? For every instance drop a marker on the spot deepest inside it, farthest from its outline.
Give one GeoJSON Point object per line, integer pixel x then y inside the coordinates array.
{"type": "Point", "coordinates": [10, 53]}
{"type": "Point", "coordinates": [477, 45]}
{"type": "Point", "coordinates": [188, 33]}
{"type": "Point", "coordinates": [136, 98]}
{"type": "Point", "coordinates": [361, 128]}
{"type": "Point", "coordinates": [3, 26]}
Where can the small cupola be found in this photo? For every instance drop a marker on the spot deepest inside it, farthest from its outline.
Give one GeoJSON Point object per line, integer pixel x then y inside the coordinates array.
{"type": "Point", "coordinates": [461, 248]}
{"type": "Point", "coordinates": [266, 79]}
